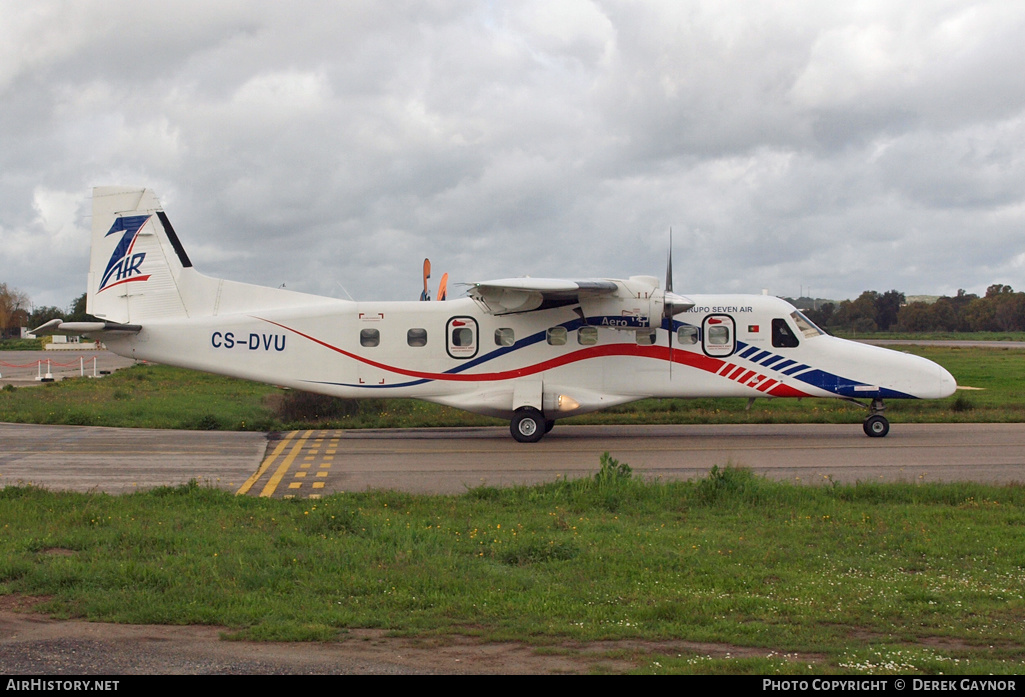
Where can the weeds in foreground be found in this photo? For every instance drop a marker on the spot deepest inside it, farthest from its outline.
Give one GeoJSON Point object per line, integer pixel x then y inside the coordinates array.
{"type": "Point", "coordinates": [857, 575]}
{"type": "Point", "coordinates": [611, 471]}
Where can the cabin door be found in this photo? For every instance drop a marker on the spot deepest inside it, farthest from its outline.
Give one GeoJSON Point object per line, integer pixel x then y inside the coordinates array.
{"type": "Point", "coordinates": [718, 335]}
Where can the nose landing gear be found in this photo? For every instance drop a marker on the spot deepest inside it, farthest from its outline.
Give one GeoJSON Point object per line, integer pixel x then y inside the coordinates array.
{"type": "Point", "coordinates": [876, 425]}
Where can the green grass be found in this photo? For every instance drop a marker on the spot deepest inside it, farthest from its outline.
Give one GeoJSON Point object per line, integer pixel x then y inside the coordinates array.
{"type": "Point", "coordinates": [144, 396]}
{"type": "Point", "coordinates": [163, 397]}
{"type": "Point", "coordinates": [933, 336]}
{"type": "Point", "coordinates": [21, 345]}
{"type": "Point", "coordinates": [906, 578]}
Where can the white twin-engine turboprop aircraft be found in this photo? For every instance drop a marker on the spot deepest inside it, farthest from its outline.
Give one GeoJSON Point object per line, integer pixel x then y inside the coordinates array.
{"type": "Point", "coordinates": [530, 350]}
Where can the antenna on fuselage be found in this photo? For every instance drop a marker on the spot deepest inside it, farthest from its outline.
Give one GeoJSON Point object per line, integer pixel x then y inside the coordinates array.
{"type": "Point", "coordinates": [345, 291]}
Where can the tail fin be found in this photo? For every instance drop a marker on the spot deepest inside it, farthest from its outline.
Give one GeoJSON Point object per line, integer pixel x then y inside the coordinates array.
{"type": "Point", "coordinates": [139, 270]}
{"type": "Point", "coordinates": [136, 260]}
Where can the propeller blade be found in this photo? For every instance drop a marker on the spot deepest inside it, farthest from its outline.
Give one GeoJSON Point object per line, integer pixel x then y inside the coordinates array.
{"type": "Point", "coordinates": [670, 347]}
{"type": "Point", "coordinates": [667, 305]}
{"type": "Point", "coordinates": [443, 287]}
{"type": "Point", "coordinates": [669, 265]}
{"type": "Point", "coordinates": [426, 294]}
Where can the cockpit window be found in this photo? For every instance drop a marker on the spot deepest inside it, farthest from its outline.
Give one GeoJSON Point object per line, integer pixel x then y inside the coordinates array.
{"type": "Point", "coordinates": [782, 335]}
{"type": "Point", "coordinates": [806, 326]}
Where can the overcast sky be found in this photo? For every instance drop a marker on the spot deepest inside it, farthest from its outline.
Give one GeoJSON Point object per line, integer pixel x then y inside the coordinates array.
{"type": "Point", "coordinates": [835, 147]}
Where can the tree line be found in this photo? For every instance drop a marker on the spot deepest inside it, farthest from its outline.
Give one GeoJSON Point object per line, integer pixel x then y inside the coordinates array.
{"type": "Point", "coordinates": [1001, 309]}
{"type": "Point", "coordinates": [16, 311]}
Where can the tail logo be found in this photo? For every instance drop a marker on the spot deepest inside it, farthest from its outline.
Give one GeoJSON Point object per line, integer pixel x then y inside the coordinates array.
{"type": "Point", "coordinates": [124, 265]}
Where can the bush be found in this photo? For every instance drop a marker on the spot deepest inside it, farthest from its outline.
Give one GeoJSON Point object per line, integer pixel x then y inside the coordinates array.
{"type": "Point", "coordinates": [307, 406]}
{"type": "Point", "coordinates": [961, 404]}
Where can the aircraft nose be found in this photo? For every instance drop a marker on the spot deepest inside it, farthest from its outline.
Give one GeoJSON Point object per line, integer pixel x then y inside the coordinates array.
{"type": "Point", "coordinates": [947, 382]}
{"type": "Point", "coordinates": [935, 383]}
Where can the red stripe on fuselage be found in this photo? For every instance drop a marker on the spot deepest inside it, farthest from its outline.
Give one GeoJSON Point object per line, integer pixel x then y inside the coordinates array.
{"type": "Point", "coordinates": [782, 390]}
{"type": "Point", "coordinates": [693, 360]}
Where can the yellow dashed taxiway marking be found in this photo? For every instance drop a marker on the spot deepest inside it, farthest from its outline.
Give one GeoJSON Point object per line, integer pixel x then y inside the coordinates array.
{"type": "Point", "coordinates": [266, 464]}
{"type": "Point", "coordinates": [303, 450]}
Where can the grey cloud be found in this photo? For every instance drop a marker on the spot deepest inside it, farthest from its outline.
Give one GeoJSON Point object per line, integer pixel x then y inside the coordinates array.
{"type": "Point", "coordinates": [316, 144]}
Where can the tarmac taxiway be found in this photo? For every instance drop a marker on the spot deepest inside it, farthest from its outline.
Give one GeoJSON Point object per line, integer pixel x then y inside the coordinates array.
{"type": "Point", "coordinates": [312, 464]}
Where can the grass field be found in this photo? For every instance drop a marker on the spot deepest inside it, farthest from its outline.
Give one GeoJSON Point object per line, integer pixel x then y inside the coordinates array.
{"type": "Point", "coordinates": [934, 336]}
{"type": "Point", "coordinates": [164, 397]}
{"type": "Point", "coordinates": [909, 579]}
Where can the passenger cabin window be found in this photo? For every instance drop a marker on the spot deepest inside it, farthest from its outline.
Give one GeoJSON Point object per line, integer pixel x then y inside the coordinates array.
{"type": "Point", "coordinates": [556, 336]}
{"type": "Point", "coordinates": [587, 336]}
{"type": "Point", "coordinates": [416, 337]}
{"type": "Point", "coordinates": [719, 335]}
{"type": "Point", "coordinates": [461, 333]}
{"type": "Point", "coordinates": [505, 337]}
{"type": "Point", "coordinates": [645, 337]}
{"type": "Point", "coordinates": [369, 337]}
{"type": "Point", "coordinates": [686, 336]}
{"type": "Point", "coordinates": [782, 335]}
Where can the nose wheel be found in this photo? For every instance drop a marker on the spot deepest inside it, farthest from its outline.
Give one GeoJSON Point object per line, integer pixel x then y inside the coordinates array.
{"type": "Point", "coordinates": [876, 425]}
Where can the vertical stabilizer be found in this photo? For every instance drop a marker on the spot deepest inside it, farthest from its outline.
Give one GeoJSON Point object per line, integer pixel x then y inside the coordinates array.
{"type": "Point", "coordinates": [136, 260]}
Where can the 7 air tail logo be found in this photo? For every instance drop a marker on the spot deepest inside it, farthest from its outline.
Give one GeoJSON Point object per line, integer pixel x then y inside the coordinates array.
{"type": "Point", "coordinates": [125, 265]}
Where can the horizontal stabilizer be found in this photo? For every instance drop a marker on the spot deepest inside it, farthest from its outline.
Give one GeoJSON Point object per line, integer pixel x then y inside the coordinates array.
{"type": "Point", "coordinates": [59, 326]}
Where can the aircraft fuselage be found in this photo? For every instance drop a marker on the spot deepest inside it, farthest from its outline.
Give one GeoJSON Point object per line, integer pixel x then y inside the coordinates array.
{"type": "Point", "coordinates": [554, 360]}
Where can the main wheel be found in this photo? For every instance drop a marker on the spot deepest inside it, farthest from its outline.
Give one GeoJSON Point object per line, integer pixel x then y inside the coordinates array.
{"type": "Point", "coordinates": [528, 425]}
{"type": "Point", "coordinates": [876, 426]}
{"type": "Point", "coordinates": [549, 425]}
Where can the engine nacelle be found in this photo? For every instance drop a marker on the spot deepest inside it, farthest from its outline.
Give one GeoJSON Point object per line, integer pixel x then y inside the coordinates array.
{"type": "Point", "coordinates": [637, 305]}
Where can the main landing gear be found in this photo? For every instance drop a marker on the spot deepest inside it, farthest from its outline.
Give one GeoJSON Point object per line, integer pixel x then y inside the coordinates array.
{"type": "Point", "coordinates": [876, 425]}
{"type": "Point", "coordinates": [529, 425]}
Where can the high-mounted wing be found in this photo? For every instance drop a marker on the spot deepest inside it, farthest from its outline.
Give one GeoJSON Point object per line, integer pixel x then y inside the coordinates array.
{"type": "Point", "coordinates": [509, 295]}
